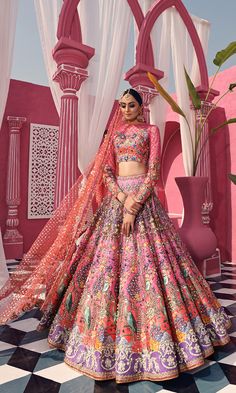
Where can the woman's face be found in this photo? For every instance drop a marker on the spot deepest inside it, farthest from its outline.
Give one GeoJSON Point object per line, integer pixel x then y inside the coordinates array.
{"type": "Point", "coordinates": [130, 108]}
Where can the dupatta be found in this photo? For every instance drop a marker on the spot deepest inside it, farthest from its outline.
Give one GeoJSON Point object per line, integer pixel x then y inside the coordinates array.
{"type": "Point", "coordinates": [52, 251]}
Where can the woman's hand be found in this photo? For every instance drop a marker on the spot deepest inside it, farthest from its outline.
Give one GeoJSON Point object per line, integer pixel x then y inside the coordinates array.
{"type": "Point", "coordinates": [128, 224]}
{"type": "Point", "coordinates": [131, 205]}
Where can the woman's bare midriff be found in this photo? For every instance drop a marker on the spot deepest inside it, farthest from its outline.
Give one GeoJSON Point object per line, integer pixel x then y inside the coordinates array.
{"type": "Point", "coordinates": [131, 168]}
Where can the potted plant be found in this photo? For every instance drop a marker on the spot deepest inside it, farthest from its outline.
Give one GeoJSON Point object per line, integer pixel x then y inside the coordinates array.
{"type": "Point", "coordinates": [198, 237]}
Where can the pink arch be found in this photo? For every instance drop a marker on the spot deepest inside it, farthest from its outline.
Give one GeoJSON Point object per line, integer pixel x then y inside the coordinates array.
{"type": "Point", "coordinates": [155, 11]}
{"type": "Point", "coordinates": [69, 23]}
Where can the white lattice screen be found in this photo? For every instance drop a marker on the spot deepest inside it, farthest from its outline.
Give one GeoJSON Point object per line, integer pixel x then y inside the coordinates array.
{"type": "Point", "coordinates": [42, 170]}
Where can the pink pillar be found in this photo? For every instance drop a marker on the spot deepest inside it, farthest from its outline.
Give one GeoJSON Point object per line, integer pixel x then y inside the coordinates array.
{"type": "Point", "coordinates": [70, 79]}
{"type": "Point", "coordinates": [72, 60]}
{"type": "Point", "coordinates": [12, 239]}
{"type": "Point", "coordinates": [138, 79]}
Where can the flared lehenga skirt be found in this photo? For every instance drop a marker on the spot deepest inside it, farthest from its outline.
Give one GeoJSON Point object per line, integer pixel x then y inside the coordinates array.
{"type": "Point", "coordinates": [133, 308]}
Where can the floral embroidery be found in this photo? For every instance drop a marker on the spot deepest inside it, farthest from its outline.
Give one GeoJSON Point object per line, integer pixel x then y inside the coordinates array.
{"type": "Point", "coordinates": [136, 307]}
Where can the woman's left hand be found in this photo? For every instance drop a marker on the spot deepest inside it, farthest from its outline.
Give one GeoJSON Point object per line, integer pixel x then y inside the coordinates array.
{"type": "Point", "coordinates": [131, 205]}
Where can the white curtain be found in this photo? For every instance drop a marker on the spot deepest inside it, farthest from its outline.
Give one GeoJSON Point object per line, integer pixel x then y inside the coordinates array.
{"type": "Point", "coordinates": [160, 38]}
{"type": "Point", "coordinates": [110, 21]}
{"type": "Point", "coordinates": [184, 55]}
{"type": "Point", "coordinates": [47, 13]}
{"type": "Point", "coordinates": [8, 15]}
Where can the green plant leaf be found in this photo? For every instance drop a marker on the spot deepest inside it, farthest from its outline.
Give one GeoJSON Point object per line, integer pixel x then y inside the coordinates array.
{"type": "Point", "coordinates": [196, 100]}
{"type": "Point", "coordinates": [225, 54]}
{"type": "Point", "coordinates": [232, 177]}
{"type": "Point", "coordinates": [232, 86]}
{"type": "Point", "coordinates": [230, 121]}
{"type": "Point", "coordinates": [165, 95]}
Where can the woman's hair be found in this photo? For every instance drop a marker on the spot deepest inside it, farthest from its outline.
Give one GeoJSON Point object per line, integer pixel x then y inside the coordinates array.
{"type": "Point", "coordinates": [135, 94]}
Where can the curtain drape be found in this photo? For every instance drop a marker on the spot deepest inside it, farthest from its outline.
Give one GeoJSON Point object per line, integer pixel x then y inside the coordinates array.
{"type": "Point", "coordinates": [109, 37]}
{"type": "Point", "coordinates": [184, 55]}
{"type": "Point", "coordinates": [8, 15]}
{"type": "Point", "coordinates": [47, 13]}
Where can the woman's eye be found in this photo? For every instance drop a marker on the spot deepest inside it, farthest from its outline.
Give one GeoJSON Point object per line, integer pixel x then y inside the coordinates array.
{"type": "Point", "coordinates": [132, 105]}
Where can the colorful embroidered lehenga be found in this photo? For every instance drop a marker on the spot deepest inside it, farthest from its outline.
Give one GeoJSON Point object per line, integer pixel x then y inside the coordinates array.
{"type": "Point", "coordinates": [132, 308]}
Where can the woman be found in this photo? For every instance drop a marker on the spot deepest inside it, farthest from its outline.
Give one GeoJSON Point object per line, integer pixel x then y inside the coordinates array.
{"type": "Point", "coordinates": [127, 302]}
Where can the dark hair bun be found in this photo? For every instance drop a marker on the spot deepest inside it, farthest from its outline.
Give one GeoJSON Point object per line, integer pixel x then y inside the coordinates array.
{"type": "Point", "coordinates": [135, 94]}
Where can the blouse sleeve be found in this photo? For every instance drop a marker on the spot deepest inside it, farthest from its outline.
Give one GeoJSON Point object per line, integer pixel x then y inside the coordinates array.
{"type": "Point", "coordinates": [109, 176]}
{"type": "Point", "coordinates": [152, 176]}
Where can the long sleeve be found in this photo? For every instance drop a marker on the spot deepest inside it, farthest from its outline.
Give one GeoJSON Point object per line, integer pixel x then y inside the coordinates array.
{"type": "Point", "coordinates": [109, 175]}
{"type": "Point", "coordinates": [152, 176]}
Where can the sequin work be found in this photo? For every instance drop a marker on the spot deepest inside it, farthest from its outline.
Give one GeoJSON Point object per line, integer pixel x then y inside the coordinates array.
{"type": "Point", "coordinates": [133, 308]}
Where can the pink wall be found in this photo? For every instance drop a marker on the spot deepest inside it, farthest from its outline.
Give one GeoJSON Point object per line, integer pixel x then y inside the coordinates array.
{"type": "Point", "coordinates": [36, 104]}
{"type": "Point", "coordinates": [223, 161]}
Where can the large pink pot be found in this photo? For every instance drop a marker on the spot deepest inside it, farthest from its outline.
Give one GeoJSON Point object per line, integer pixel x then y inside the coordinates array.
{"type": "Point", "coordinates": [199, 238]}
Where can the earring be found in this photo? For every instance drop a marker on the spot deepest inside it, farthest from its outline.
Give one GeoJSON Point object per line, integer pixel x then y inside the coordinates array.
{"type": "Point", "coordinates": [140, 117]}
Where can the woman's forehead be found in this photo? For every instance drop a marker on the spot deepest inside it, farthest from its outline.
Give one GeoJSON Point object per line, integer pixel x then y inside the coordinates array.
{"type": "Point", "coordinates": [127, 98]}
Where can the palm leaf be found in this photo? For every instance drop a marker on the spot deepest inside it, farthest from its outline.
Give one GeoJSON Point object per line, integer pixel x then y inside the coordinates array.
{"type": "Point", "coordinates": [196, 100]}
{"type": "Point", "coordinates": [230, 121]}
{"type": "Point", "coordinates": [165, 95]}
{"type": "Point", "coordinates": [225, 54]}
{"type": "Point", "coordinates": [232, 177]}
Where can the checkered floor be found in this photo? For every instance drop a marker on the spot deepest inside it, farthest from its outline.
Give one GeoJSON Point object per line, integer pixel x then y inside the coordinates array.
{"type": "Point", "coordinates": [28, 365]}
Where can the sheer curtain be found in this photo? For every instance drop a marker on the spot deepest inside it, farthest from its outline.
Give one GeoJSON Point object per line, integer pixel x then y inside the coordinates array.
{"type": "Point", "coordinates": [160, 37]}
{"type": "Point", "coordinates": [8, 15]}
{"type": "Point", "coordinates": [47, 13]}
{"type": "Point", "coordinates": [184, 55]}
{"type": "Point", "coordinates": [110, 21]}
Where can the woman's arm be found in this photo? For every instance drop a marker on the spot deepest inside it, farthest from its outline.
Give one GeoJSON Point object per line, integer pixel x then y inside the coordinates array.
{"type": "Point", "coordinates": [152, 176]}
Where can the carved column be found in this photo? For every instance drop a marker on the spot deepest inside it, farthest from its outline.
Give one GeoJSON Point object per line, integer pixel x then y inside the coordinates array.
{"type": "Point", "coordinates": [70, 79]}
{"type": "Point", "coordinates": [72, 59]}
{"type": "Point", "coordinates": [138, 79]}
{"type": "Point", "coordinates": [12, 239]}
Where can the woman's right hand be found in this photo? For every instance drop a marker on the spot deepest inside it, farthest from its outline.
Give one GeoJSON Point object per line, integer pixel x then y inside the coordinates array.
{"type": "Point", "coordinates": [128, 224]}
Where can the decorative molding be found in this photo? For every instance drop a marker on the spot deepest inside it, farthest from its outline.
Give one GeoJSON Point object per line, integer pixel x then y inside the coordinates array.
{"type": "Point", "coordinates": [13, 239]}
{"type": "Point", "coordinates": [42, 170]}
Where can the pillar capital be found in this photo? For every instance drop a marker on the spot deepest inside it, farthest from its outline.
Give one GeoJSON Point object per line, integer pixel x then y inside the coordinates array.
{"type": "Point", "coordinates": [15, 122]}
{"type": "Point", "coordinates": [70, 78]}
{"type": "Point", "coordinates": [205, 96]}
{"type": "Point", "coordinates": [137, 75]}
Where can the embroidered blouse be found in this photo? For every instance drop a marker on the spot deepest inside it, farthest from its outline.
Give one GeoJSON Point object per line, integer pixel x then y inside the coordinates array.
{"type": "Point", "coordinates": [140, 143]}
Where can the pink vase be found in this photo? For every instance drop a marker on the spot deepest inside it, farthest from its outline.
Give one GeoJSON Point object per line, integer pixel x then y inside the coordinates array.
{"type": "Point", "coordinates": [198, 237]}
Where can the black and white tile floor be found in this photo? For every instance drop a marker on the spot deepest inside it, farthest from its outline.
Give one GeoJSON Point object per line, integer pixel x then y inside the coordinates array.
{"type": "Point", "coordinates": [28, 365]}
